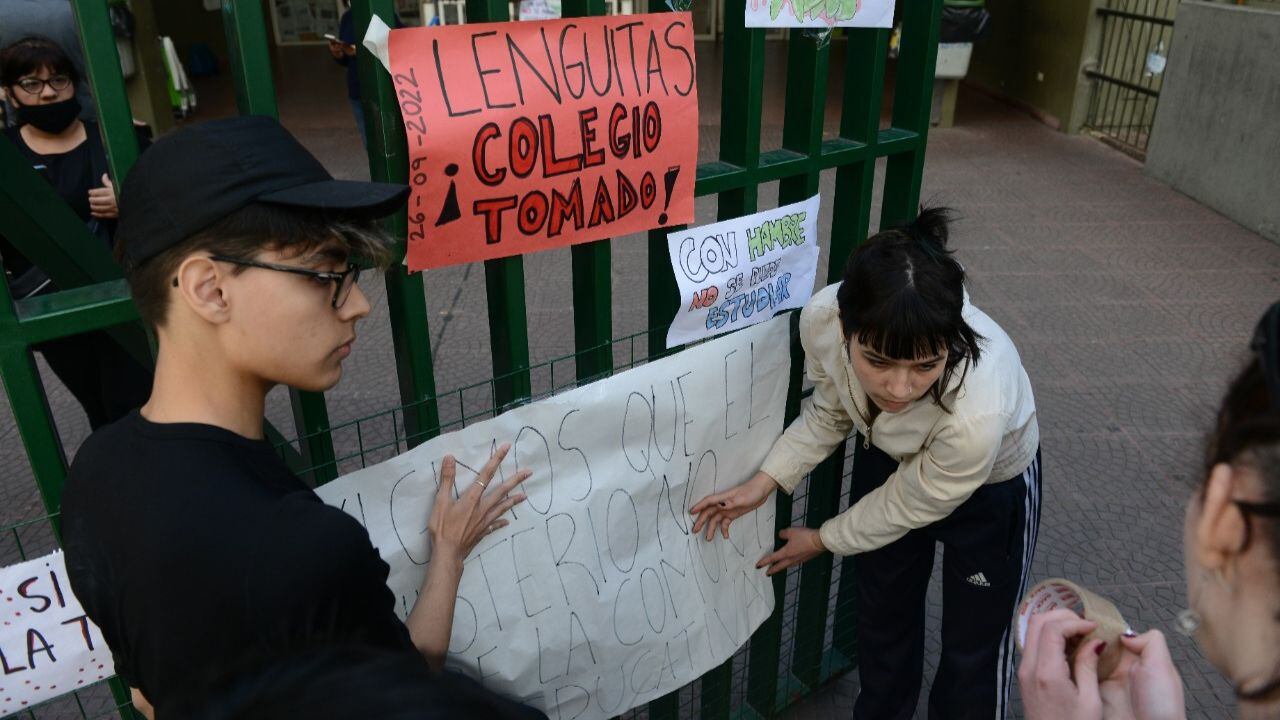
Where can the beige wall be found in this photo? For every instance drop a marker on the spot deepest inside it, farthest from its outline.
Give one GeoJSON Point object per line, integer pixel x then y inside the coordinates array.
{"type": "Point", "coordinates": [1034, 55]}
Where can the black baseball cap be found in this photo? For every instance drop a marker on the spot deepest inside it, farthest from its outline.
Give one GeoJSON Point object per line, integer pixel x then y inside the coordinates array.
{"type": "Point", "coordinates": [198, 175]}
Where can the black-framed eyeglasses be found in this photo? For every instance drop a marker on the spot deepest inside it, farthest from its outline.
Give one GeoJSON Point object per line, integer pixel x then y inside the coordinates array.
{"type": "Point", "coordinates": [35, 86]}
{"type": "Point", "coordinates": [343, 281]}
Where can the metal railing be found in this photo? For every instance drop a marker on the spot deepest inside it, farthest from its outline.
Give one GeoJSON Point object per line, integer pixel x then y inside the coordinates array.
{"type": "Point", "coordinates": [1136, 35]}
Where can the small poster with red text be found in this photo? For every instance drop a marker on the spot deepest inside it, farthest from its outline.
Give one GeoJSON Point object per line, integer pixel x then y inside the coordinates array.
{"type": "Point", "coordinates": [48, 646]}
{"type": "Point", "coordinates": [526, 136]}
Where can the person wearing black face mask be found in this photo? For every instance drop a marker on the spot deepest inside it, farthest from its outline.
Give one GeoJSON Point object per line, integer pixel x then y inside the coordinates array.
{"type": "Point", "coordinates": [39, 81]}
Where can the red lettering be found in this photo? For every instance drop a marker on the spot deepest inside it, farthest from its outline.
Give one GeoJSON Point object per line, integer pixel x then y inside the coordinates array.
{"type": "Point", "coordinates": [619, 143]}
{"type": "Point", "coordinates": [551, 165]}
{"type": "Point", "coordinates": [627, 199]}
{"type": "Point", "coordinates": [533, 212]}
{"type": "Point", "coordinates": [523, 144]}
{"type": "Point", "coordinates": [652, 126]}
{"type": "Point", "coordinates": [492, 210]}
{"type": "Point", "coordinates": [648, 190]}
{"type": "Point", "coordinates": [564, 208]}
{"type": "Point", "coordinates": [602, 206]}
{"type": "Point", "coordinates": [489, 177]}
{"type": "Point", "coordinates": [591, 157]}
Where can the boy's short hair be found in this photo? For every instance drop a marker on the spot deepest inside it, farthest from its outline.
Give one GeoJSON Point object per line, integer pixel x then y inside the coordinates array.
{"type": "Point", "coordinates": [255, 228]}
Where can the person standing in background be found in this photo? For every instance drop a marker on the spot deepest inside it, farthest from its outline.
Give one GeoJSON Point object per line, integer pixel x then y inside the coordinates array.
{"type": "Point", "coordinates": [55, 20]}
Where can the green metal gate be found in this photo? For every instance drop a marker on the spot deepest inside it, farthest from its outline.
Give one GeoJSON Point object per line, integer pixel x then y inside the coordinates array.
{"type": "Point", "coordinates": [810, 638]}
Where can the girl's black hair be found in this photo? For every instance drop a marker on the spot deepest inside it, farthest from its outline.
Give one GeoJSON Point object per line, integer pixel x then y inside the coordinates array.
{"type": "Point", "coordinates": [28, 55]}
{"type": "Point", "coordinates": [903, 296]}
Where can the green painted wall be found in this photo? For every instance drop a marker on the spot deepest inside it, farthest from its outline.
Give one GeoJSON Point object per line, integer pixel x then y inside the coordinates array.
{"type": "Point", "coordinates": [1033, 56]}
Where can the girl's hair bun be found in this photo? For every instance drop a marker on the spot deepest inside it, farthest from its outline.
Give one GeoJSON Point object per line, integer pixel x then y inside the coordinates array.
{"type": "Point", "coordinates": [930, 227]}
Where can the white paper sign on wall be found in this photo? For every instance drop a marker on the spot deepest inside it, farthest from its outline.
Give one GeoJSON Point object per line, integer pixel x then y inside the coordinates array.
{"type": "Point", "coordinates": [742, 271]}
{"type": "Point", "coordinates": [596, 598]}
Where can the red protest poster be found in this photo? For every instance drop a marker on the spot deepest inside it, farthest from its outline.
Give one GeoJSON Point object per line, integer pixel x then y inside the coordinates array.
{"type": "Point", "coordinates": [525, 136]}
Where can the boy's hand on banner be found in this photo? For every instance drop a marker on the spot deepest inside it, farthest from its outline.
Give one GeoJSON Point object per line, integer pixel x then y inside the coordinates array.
{"type": "Point", "coordinates": [457, 525]}
{"type": "Point", "coordinates": [803, 544]}
{"type": "Point", "coordinates": [721, 509]}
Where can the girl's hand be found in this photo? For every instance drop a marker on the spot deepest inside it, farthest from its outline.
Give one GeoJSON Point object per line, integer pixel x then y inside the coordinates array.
{"type": "Point", "coordinates": [1148, 680]}
{"type": "Point", "coordinates": [102, 201]}
{"type": "Point", "coordinates": [803, 544]}
{"type": "Point", "coordinates": [723, 508]}
{"type": "Point", "coordinates": [457, 525]}
{"type": "Point", "coordinates": [1048, 692]}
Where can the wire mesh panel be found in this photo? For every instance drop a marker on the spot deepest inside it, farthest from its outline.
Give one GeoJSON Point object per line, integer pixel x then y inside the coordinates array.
{"type": "Point", "coordinates": [810, 636]}
{"type": "Point", "coordinates": [1136, 35]}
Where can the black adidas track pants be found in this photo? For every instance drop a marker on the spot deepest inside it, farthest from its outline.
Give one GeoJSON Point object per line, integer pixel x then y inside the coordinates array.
{"type": "Point", "coordinates": [988, 542]}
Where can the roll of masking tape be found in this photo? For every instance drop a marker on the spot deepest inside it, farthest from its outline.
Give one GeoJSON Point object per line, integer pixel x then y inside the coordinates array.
{"type": "Point", "coordinates": [1058, 593]}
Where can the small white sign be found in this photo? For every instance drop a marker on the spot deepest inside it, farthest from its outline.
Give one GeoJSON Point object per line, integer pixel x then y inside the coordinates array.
{"type": "Point", "coordinates": [820, 13]}
{"type": "Point", "coordinates": [539, 9]}
{"type": "Point", "coordinates": [742, 271]}
{"type": "Point", "coordinates": [48, 647]}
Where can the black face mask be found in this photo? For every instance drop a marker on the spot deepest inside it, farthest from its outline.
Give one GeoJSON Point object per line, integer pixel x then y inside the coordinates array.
{"type": "Point", "coordinates": [52, 118]}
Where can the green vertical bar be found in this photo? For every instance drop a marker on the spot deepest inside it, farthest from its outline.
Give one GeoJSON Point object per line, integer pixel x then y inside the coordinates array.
{"type": "Point", "coordinates": [664, 293]}
{"type": "Point", "coordinates": [255, 95]}
{"type": "Point", "coordinates": [742, 76]}
{"type": "Point", "coordinates": [504, 286]}
{"type": "Point", "coordinates": [406, 296]}
{"type": "Point", "coordinates": [860, 121]}
{"type": "Point", "coordinates": [763, 692]}
{"type": "Point", "coordinates": [802, 133]}
{"type": "Point", "coordinates": [855, 183]}
{"type": "Point", "coordinates": [31, 410]}
{"type": "Point", "coordinates": [912, 101]}
{"type": "Point", "coordinates": [592, 273]}
{"type": "Point", "coordinates": [246, 31]}
{"type": "Point", "coordinates": [103, 64]}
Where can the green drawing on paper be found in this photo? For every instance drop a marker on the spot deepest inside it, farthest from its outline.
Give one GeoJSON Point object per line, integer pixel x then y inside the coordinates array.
{"type": "Point", "coordinates": [783, 232]}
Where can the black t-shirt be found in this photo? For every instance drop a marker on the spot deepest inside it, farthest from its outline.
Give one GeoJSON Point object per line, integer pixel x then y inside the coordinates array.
{"type": "Point", "coordinates": [196, 550]}
{"type": "Point", "coordinates": [70, 173]}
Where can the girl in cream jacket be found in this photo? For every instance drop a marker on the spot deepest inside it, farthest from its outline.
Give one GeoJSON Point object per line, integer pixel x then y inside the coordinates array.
{"type": "Point", "coordinates": [948, 451]}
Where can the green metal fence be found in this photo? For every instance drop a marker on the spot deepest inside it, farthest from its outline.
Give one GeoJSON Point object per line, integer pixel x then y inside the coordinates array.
{"type": "Point", "coordinates": [810, 638]}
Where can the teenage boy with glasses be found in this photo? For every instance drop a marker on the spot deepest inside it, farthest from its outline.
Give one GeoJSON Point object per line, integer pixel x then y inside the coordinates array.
{"type": "Point", "coordinates": [188, 540]}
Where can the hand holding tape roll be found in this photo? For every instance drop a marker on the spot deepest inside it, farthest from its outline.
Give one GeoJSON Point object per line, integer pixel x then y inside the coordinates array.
{"type": "Point", "coordinates": [1056, 593]}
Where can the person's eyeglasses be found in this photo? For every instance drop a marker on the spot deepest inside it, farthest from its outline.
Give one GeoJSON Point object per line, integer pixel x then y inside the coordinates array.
{"type": "Point", "coordinates": [35, 86]}
{"type": "Point", "coordinates": [343, 281]}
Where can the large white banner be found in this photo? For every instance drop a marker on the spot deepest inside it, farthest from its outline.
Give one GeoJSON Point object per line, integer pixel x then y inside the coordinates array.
{"type": "Point", "coordinates": [820, 13]}
{"type": "Point", "coordinates": [740, 272]}
{"type": "Point", "coordinates": [596, 598]}
{"type": "Point", "coordinates": [48, 647]}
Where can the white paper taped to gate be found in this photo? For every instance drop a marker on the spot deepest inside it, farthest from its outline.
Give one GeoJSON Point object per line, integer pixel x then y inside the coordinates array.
{"type": "Point", "coordinates": [48, 646]}
{"type": "Point", "coordinates": [596, 599]}
{"type": "Point", "coordinates": [820, 13]}
{"type": "Point", "coordinates": [740, 272]}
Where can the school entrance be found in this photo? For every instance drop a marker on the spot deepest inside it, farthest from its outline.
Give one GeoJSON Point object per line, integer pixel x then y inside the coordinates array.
{"type": "Point", "coordinates": [786, 112]}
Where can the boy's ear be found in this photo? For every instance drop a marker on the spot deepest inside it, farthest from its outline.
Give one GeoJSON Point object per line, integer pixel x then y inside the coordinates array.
{"type": "Point", "coordinates": [200, 286]}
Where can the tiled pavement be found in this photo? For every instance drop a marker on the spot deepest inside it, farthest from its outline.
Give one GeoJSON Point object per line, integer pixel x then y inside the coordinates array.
{"type": "Point", "coordinates": [1130, 304]}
